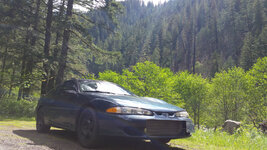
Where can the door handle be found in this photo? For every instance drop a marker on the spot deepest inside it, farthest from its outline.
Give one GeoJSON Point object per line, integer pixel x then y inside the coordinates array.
{"type": "Point", "coordinates": [51, 101]}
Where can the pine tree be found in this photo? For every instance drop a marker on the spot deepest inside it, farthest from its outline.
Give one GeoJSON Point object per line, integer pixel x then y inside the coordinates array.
{"type": "Point", "coordinates": [155, 57]}
{"type": "Point", "coordinates": [47, 47]}
{"type": "Point", "coordinates": [258, 18]}
{"type": "Point", "coordinates": [262, 44]}
{"type": "Point", "coordinates": [248, 54]}
{"type": "Point", "coordinates": [145, 51]}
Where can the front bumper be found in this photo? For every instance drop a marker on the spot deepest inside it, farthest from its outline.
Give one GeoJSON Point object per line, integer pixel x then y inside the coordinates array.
{"type": "Point", "coordinates": [137, 126]}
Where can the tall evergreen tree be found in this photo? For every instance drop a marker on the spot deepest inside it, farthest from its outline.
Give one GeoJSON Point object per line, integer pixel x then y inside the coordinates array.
{"type": "Point", "coordinates": [248, 55]}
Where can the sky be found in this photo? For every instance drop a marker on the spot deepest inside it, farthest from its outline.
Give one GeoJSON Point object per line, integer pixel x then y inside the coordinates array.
{"type": "Point", "coordinates": [156, 2]}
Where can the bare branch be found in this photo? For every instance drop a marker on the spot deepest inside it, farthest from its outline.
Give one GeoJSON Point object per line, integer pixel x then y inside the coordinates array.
{"type": "Point", "coordinates": [93, 47]}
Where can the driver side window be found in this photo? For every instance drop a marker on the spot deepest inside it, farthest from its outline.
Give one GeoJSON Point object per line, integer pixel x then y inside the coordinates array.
{"type": "Point", "coordinates": [69, 85]}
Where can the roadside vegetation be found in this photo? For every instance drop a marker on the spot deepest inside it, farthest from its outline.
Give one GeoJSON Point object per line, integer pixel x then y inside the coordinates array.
{"type": "Point", "coordinates": [12, 108]}
{"type": "Point", "coordinates": [244, 138]}
{"type": "Point", "coordinates": [232, 94]}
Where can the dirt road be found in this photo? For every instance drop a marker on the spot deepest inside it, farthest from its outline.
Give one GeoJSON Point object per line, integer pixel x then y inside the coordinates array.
{"type": "Point", "coordinates": [23, 136]}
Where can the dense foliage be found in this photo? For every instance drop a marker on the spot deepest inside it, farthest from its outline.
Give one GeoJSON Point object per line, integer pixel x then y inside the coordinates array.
{"type": "Point", "coordinates": [232, 94]}
{"type": "Point", "coordinates": [10, 107]}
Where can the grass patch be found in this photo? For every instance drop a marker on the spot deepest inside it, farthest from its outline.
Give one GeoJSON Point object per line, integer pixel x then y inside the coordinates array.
{"type": "Point", "coordinates": [242, 139]}
{"type": "Point", "coordinates": [22, 122]}
{"type": "Point", "coordinates": [17, 123]}
{"type": "Point", "coordinates": [8, 118]}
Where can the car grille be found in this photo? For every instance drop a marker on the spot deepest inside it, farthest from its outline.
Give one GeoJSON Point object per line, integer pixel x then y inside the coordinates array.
{"type": "Point", "coordinates": [165, 128]}
{"type": "Point", "coordinates": [166, 114]}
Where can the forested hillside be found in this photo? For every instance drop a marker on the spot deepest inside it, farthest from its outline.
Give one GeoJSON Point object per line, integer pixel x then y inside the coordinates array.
{"type": "Point", "coordinates": [44, 42]}
{"type": "Point", "coordinates": [201, 36]}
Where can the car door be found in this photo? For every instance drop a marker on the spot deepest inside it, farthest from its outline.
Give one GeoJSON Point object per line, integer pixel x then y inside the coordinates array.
{"type": "Point", "coordinates": [66, 105]}
{"type": "Point", "coordinates": [54, 103]}
{"type": "Point", "coordinates": [50, 102]}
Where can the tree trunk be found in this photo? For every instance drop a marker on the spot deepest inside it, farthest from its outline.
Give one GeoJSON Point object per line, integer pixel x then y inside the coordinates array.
{"type": "Point", "coordinates": [52, 77]}
{"type": "Point", "coordinates": [64, 50]}
{"type": "Point", "coordinates": [22, 71]}
{"type": "Point", "coordinates": [12, 79]}
{"type": "Point", "coordinates": [216, 35]}
{"type": "Point", "coordinates": [61, 12]}
{"type": "Point", "coordinates": [188, 54]}
{"type": "Point", "coordinates": [194, 54]}
{"type": "Point", "coordinates": [30, 62]}
{"type": "Point", "coordinates": [47, 47]}
{"type": "Point", "coordinates": [195, 116]}
{"type": "Point", "coordinates": [28, 75]}
{"type": "Point", "coordinates": [198, 116]}
{"type": "Point", "coordinates": [194, 39]}
{"type": "Point", "coordinates": [3, 65]}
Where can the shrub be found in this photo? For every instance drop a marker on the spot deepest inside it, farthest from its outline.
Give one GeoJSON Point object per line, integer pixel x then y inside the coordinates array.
{"type": "Point", "coordinates": [9, 107]}
{"type": "Point", "coordinates": [146, 79]}
{"type": "Point", "coordinates": [228, 96]}
{"type": "Point", "coordinates": [246, 137]}
{"type": "Point", "coordinates": [193, 89]}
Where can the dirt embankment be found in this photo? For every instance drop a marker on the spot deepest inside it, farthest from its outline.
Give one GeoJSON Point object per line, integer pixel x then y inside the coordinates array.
{"type": "Point", "coordinates": [14, 137]}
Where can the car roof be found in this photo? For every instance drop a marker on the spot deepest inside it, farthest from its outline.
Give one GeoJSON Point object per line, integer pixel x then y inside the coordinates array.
{"type": "Point", "coordinates": [78, 80]}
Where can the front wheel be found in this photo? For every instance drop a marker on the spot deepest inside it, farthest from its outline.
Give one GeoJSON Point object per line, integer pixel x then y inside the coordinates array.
{"type": "Point", "coordinates": [41, 127]}
{"type": "Point", "coordinates": [87, 130]}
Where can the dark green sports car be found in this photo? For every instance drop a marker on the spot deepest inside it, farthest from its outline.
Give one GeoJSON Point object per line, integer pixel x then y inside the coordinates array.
{"type": "Point", "coordinates": [96, 109]}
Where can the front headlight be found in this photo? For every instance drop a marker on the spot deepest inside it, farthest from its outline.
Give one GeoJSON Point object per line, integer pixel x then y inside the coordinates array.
{"type": "Point", "coordinates": [182, 114]}
{"type": "Point", "coordinates": [129, 111]}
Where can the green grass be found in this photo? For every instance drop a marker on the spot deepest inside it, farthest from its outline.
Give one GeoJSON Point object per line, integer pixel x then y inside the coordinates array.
{"type": "Point", "coordinates": [243, 139]}
{"type": "Point", "coordinates": [22, 122]}
{"type": "Point", "coordinates": [17, 122]}
{"type": "Point", "coordinates": [8, 118]}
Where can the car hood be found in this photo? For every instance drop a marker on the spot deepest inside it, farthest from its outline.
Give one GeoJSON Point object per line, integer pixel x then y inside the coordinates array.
{"type": "Point", "coordinates": [143, 102]}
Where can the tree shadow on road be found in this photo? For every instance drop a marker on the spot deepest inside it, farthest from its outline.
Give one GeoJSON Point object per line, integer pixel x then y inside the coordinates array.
{"type": "Point", "coordinates": [66, 140]}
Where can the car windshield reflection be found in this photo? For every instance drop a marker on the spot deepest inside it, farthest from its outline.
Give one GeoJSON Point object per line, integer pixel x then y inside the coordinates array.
{"type": "Point", "coordinates": [103, 87]}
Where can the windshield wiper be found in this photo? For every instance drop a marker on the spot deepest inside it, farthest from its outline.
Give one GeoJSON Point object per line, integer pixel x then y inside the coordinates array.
{"type": "Point", "coordinates": [100, 92]}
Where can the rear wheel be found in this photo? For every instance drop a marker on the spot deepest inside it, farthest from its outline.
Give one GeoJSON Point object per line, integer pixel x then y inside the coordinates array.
{"type": "Point", "coordinates": [87, 130]}
{"type": "Point", "coordinates": [41, 127]}
{"type": "Point", "coordinates": [164, 141]}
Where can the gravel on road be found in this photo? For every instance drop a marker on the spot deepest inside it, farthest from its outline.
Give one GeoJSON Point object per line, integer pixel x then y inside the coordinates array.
{"type": "Point", "coordinates": [25, 137]}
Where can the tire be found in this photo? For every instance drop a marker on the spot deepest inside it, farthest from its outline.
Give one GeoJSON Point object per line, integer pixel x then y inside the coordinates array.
{"type": "Point", "coordinates": [164, 141]}
{"type": "Point", "coordinates": [87, 129]}
{"type": "Point", "coordinates": [41, 127]}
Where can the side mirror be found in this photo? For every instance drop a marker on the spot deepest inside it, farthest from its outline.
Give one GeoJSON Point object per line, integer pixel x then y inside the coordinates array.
{"type": "Point", "coordinates": [70, 92]}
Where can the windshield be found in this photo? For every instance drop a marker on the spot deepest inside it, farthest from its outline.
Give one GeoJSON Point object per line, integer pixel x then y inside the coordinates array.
{"type": "Point", "coordinates": [103, 87]}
